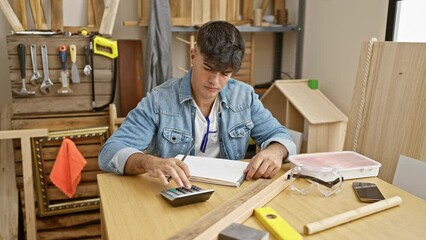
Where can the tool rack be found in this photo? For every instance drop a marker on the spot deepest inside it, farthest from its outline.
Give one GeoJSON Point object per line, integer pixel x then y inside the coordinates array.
{"type": "Point", "coordinates": [61, 112]}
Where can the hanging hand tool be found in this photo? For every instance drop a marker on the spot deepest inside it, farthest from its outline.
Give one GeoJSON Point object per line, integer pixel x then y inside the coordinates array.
{"type": "Point", "coordinates": [87, 68]}
{"type": "Point", "coordinates": [75, 78]}
{"type": "Point", "coordinates": [100, 43]}
{"type": "Point", "coordinates": [105, 44]}
{"type": "Point", "coordinates": [47, 83]}
{"type": "Point", "coordinates": [21, 56]}
{"type": "Point", "coordinates": [35, 78]}
{"type": "Point", "coordinates": [65, 89]}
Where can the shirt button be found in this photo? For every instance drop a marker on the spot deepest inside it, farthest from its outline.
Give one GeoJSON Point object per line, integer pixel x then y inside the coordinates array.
{"type": "Point", "coordinates": [115, 170]}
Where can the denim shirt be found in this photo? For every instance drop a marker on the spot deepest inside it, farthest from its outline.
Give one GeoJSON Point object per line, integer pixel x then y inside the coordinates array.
{"type": "Point", "coordinates": [163, 124]}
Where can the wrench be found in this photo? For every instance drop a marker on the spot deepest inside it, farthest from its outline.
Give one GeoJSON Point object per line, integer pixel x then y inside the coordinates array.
{"type": "Point", "coordinates": [47, 83]}
{"type": "Point", "coordinates": [36, 74]}
{"type": "Point", "coordinates": [21, 55]}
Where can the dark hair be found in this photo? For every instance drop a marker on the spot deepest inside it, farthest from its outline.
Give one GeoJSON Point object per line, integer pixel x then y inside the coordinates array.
{"type": "Point", "coordinates": [221, 45]}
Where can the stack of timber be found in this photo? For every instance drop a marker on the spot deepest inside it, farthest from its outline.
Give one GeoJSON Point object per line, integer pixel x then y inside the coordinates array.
{"type": "Point", "coordinates": [63, 113]}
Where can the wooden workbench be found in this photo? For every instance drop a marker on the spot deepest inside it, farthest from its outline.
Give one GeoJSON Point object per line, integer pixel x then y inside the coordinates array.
{"type": "Point", "coordinates": [132, 208]}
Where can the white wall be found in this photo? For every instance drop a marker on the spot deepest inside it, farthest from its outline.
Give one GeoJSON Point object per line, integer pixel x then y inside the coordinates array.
{"type": "Point", "coordinates": [334, 32]}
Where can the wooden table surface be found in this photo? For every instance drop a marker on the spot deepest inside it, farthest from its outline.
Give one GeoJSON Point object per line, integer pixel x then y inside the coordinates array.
{"type": "Point", "coordinates": [132, 208]}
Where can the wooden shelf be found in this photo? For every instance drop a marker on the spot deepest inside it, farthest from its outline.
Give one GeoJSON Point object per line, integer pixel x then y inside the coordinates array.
{"type": "Point", "coordinates": [244, 28]}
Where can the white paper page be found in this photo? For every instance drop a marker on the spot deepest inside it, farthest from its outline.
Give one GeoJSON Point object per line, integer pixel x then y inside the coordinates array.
{"type": "Point", "coordinates": [215, 168]}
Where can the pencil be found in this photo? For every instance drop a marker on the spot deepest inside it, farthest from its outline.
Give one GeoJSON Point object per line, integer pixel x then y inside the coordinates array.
{"type": "Point", "coordinates": [183, 159]}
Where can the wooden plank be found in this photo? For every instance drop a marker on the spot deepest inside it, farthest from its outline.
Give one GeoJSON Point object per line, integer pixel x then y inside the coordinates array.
{"type": "Point", "coordinates": [214, 9]}
{"type": "Point", "coordinates": [71, 220]}
{"type": "Point", "coordinates": [84, 190]}
{"type": "Point", "coordinates": [56, 15]}
{"type": "Point", "coordinates": [28, 180]}
{"type": "Point", "coordinates": [100, 62]}
{"type": "Point", "coordinates": [247, 10]}
{"type": "Point", "coordinates": [145, 8]}
{"type": "Point", "coordinates": [8, 191]}
{"type": "Point", "coordinates": [91, 22]}
{"type": "Point", "coordinates": [237, 209]}
{"type": "Point", "coordinates": [279, 5]}
{"type": "Point", "coordinates": [11, 134]}
{"type": "Point", "coordinates": [108, 19]}
{"type": "Point", "coordinates": [38, 14]}
{"type": "Point", "coordinates": [206, 6]}
{"type": "Point", "coordinates": [174, 8]}
{"type": "Point", "coordinates": [196, 12]}
{"type": "Point", "coordinates": [98, 9]}
{"type": "Point", "coordinates": [10, 16]}
{"type": "Point", "coordinates": [61, 123]}
{"type": "Point", "coordinates": [264, 6]}
{"type": "Point", "coordinates": [130, 74]}
{"type": "Point", "coordinates": [230, 11]}
{"type": "Point", "coordinates": [185, 9]}
{"type": "Point", "coordinates": [78, 104]}
{"type": "Point", "coordinates": [80, 90]}
{"type": "Point", "coordinates": [92, 230]}
{"type": "Point", "coordinates": [394, 96]}
{"type": "Point", "coordinates": [23, 14]}
{"type": "Point", "coordinates": [222, 9]}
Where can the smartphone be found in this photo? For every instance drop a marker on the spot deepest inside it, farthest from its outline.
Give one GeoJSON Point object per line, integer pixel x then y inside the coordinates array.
{"type": "Point", "coordinates": [367, 192]}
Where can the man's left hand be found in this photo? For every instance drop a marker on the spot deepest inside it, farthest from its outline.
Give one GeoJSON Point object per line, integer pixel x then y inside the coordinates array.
{"type": "Point", "coordinates": [266, 163]}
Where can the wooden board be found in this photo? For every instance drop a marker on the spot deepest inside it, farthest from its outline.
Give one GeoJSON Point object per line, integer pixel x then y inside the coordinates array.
{"type": "Point", "coordinates": [108, 18]}
{"type": "Point", "coordinates": [8, 191]}
{"type": "Point", "coordinates": [392, 123]}
{"type": "Point", "coordinates": [237, 209]}
{"type": "Point", "coordinates": [80, 99]}
{"type": "Point", "coordinates": [130, 75]}
{"type": "Point", "coordinates": [11, 16]}
{"type": "Point", "coordinates": [57, 16]}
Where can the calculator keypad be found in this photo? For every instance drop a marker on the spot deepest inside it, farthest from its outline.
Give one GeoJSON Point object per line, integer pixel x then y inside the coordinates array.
{"type": "Point", "coordinates": [182, 196]}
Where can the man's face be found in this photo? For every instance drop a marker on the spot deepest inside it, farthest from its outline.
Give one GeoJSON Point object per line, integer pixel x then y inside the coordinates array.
{"type": "Point", "coordinates": [206, 81]}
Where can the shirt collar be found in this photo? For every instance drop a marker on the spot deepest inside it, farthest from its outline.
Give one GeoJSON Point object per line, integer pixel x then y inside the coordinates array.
{"type": "Point", "coordinates": [185, 90]}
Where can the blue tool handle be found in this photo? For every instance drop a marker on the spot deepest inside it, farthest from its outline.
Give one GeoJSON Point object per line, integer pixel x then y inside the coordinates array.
{"type": "Point", "coordinates": [63, 56]}
{"type": "Point", "coordinates": [21, 55]}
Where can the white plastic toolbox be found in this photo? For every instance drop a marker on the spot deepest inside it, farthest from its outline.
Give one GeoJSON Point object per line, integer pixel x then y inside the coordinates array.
{"type": "Point", "coordinates": [350, 164]}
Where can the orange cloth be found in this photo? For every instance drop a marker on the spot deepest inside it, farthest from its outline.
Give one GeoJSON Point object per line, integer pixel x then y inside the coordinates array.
{"type": "Point", "coordinates": [66, 171]}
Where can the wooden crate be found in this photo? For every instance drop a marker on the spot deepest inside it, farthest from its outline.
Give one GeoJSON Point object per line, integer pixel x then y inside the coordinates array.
{"type": "Point", "coordinates": [308, 111]}
{"type": "Point", "coordinates": [81, 98]}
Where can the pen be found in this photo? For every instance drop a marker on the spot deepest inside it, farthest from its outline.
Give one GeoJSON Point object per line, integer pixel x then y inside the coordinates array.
{"type": "Point", "coordinates": [186, 154]}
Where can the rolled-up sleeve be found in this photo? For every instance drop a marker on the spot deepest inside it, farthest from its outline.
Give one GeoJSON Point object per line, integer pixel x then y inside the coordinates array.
{"type": "Point", "coordinates": [117, 157]}
{"type": "Point", "coordinates": [133, 136]}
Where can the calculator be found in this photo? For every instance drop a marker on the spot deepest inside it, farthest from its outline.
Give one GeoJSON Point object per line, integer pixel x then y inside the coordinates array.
{"type": "Point", "coordinates": [182, 196]}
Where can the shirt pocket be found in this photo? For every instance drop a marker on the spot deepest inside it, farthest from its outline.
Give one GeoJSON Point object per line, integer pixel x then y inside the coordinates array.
{"type": "Point", "coordinates": [241, 129]}
{"type": "Point", "coordinates": [176, 135]}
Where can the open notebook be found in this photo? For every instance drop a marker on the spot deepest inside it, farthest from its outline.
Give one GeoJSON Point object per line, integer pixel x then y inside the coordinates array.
{"type": "Point", "coordinates": [215, 170]}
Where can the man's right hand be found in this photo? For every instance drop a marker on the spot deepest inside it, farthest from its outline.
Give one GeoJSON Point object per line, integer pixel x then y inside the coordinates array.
{"type": "Point", "coordinates": [159, 167]}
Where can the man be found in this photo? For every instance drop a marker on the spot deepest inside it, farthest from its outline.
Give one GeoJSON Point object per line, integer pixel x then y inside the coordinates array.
{"type": "Point", "coordinates": [206, 108]}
